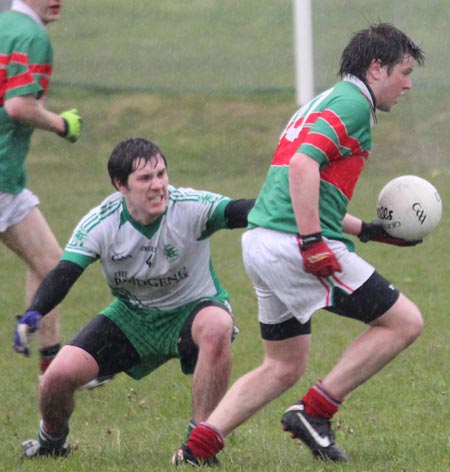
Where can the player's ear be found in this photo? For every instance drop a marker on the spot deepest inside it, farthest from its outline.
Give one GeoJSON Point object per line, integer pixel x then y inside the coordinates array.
{"type": "Point", "coordinates": [375, 68]}
{"type": "Point", "coordinates": [119, 186]}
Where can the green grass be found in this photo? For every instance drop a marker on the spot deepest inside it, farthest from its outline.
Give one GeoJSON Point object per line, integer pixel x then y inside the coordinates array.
{"type": "Point", "coordinates": [201, 56]}
{"type": "Point", "coordinates": [397, 421]}
{"type": "Point", "coordinates": [238, 45]}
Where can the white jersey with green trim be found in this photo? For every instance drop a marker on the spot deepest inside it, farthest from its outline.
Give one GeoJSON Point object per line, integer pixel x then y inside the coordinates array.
{"type": "Point", "coordinates": [159, 266]}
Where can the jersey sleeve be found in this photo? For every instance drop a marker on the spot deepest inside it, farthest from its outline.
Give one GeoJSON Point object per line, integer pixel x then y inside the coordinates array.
{"type": "Point", "coordinates": [95, 232]}
{"type": "Point", "coordinates": [28, 66]}
{"type": "Point", "coordinates": [83, 247]}
{"type": "Point", "coordinates": [203, 211]}
{"type": "Point", "coordinates": [216, 216]}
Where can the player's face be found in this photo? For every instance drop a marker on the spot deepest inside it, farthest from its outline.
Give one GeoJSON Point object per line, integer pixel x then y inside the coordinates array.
{"type": "Point", "coordinates": [146, 193]}
{"type": "Point", "coordinates": [394, 83]}
{"type": "Point", "coordinates": [48, 10]}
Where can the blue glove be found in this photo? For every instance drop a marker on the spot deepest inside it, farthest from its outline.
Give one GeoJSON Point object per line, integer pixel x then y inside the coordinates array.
{"type": "Point", "coordinates": [27, 325]}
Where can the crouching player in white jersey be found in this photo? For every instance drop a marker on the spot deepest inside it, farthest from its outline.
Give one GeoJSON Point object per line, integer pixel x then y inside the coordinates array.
{"type": "Point", "coordinates": [152, 241]}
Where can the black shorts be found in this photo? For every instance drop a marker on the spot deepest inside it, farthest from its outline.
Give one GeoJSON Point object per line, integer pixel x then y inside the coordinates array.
{"type": "Point", "coordinates": [114, 353]}
{"type": "Point", "coordinates": [365, 304]}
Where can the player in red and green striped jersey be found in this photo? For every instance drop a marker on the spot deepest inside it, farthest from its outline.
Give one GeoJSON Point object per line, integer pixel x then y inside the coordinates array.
{"type": "Point", "coordinates": [300, 260]}
{"type": "Point", "coordinates": [26, 60]}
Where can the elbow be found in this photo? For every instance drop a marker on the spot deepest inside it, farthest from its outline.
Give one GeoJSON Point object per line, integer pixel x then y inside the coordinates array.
{"type": "Point", "coordinates": [13, 109]}
{"type": "Point", "coordinates": [21, 108]}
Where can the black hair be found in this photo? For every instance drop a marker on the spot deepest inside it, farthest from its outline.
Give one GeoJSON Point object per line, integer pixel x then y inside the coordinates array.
{"type": "Point", "coordinates": [383, 42]}
{"type": "Point", "coordinates": [128, 154]}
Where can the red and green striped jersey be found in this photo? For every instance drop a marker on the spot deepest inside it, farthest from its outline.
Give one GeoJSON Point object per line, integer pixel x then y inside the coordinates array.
{"type": "Point", "coordinates": [26, 58]}
{"type": "Point", "coordinates": [334, 129]}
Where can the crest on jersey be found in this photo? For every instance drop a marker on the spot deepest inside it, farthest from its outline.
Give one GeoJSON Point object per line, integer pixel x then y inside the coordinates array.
{"type": "Point", "coordinates": [171, 252]}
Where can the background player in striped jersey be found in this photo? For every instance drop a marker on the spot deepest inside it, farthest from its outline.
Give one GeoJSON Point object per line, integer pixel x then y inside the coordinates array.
{"type": "Point", "coordinates": [26, 58]}
{"type": "Point", "coordinates": [152, 241]}
{"type": "Point", "coordinates": [300, 260]}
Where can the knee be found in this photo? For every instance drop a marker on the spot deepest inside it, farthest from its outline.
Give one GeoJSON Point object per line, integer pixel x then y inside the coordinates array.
{"type": "Point", "coordinates": [39, 267]}
{"type": "Point", "coordinates": [411, 323]}
{"type": "Point", "coordinates": [286, 373]}
{"type": "Point", "coordinates": [54, 382]}
{"type": "Point", "coordinates": [215, 335]}
{"type": "Point", "coordinates": [415, 323]}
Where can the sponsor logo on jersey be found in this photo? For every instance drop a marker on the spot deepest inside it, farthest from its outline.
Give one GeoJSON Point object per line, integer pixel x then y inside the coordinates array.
{"type": "Point", "coordinates": [121, 278]}
{"type": "Point", "coordinates": [148, 248]}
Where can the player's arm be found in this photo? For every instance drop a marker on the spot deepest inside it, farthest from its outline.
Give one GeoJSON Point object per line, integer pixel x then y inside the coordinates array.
{"type": "Point", "coordinates": [352, 225]}
{"type": "Point", "coordinates": [55, 286]}
{"type": "Point", "coordinates": [50, 293]}
{"type": "Point", "coordinates": [236, 212]}
{"type": "Point", "coordinates": [30, 111]}
{"type": "Point", "coordinates": [304, 187]}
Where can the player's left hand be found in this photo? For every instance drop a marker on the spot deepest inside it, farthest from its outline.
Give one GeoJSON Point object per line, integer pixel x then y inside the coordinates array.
{"type": "Point", "coordinates": [72, 123]}
{"type": "Point", "coordinates": [374, 231]}
{"type": "Point", "coordinates": [27, 324]}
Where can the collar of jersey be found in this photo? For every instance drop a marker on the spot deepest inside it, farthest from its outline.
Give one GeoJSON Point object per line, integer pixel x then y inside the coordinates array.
{"type": "Point", "coordinates": [147, 230]}
{"type": "Point", "coordinates": [367, 92]}
{"type": "Point", "coordinates": [21, 7]}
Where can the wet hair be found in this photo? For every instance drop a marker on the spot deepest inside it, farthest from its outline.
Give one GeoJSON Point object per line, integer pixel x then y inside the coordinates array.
{"type": "Point", "coordinates": [383, 42]}
{"type": "Point", "coordinates": [128, 155]}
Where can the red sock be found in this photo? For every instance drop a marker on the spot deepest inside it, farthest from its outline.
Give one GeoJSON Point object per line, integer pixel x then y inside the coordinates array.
{"type": "Point", "coordinates": [318, 402]}
{"type": "Point", "coordinates": [205, 441]}
{"type": "Point", "coordinates": [47, 355]}
{"type": "Point", "coordinates": [43, 364]}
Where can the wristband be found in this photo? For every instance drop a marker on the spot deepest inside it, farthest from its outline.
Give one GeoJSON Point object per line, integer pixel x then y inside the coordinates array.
{"type": "Point", "coordinates": [308, 239]}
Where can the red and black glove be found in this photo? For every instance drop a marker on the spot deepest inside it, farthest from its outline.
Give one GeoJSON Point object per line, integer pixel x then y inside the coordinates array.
{"type": "Point", "coordinates": [374, 231]}
{"type": "Point", "coordinates": [318, 258]}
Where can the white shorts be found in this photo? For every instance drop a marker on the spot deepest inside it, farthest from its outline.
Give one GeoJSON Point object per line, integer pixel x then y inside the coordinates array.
{"type": "Point", "coordinates": [15, 207]}
{"type": "Point", "coordinates": [284, 290]}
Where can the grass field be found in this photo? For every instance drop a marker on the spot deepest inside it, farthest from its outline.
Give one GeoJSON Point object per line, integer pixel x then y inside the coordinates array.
{"type": "Point", "coordinates": [206, 45]}
{"type": "Point", "coordinates": [222, 141]}
{"type": "Point", "coordinates": [396, 422]}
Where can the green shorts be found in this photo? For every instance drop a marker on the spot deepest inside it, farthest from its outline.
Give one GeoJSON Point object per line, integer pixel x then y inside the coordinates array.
{"type": "Point", "coordinates": [156, 334]}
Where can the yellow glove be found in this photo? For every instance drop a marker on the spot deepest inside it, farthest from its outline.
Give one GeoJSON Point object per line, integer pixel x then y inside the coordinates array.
{"type": "Point", "coordinates": [72, 122]}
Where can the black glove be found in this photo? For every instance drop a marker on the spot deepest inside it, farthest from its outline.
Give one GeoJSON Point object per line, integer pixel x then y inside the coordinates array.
{"type": "Point", "coordinates": [374, 231]}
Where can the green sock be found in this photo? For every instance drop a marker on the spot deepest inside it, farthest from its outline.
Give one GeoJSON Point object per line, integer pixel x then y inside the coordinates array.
{"type": "Point", "coordinates": [192, 424]}
{"type": "Point", "coordinates": [51, 442]}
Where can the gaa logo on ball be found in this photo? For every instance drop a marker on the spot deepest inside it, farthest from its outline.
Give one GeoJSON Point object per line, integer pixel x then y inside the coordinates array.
{"type": "Point", "coordinates": [409, 207]}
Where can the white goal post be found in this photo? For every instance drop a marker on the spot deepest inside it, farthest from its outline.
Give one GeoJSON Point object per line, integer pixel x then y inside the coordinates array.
{"type": "Point", "coordinates": [303, 51]}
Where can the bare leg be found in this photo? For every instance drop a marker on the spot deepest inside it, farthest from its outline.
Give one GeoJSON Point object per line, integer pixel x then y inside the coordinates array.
{"type": "Point", "coordinates": [284, 363]}
{"type": "Point", "coordinates": [33, 241]}
{"type": "Point", "coordinates": [387, 336]}
{"type": "Point", "coordinates": [211, 331]}
{"type": "Point", "coordinates": [70, 369]}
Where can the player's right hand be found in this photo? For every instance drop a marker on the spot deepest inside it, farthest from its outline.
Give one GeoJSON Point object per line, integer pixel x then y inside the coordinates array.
{"type": "Point", "coordinates": [318, 258]}
{"type": "Point", "coordinates": [27, 324]}
{"type": "Point", "coordinates": [72, 123]}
